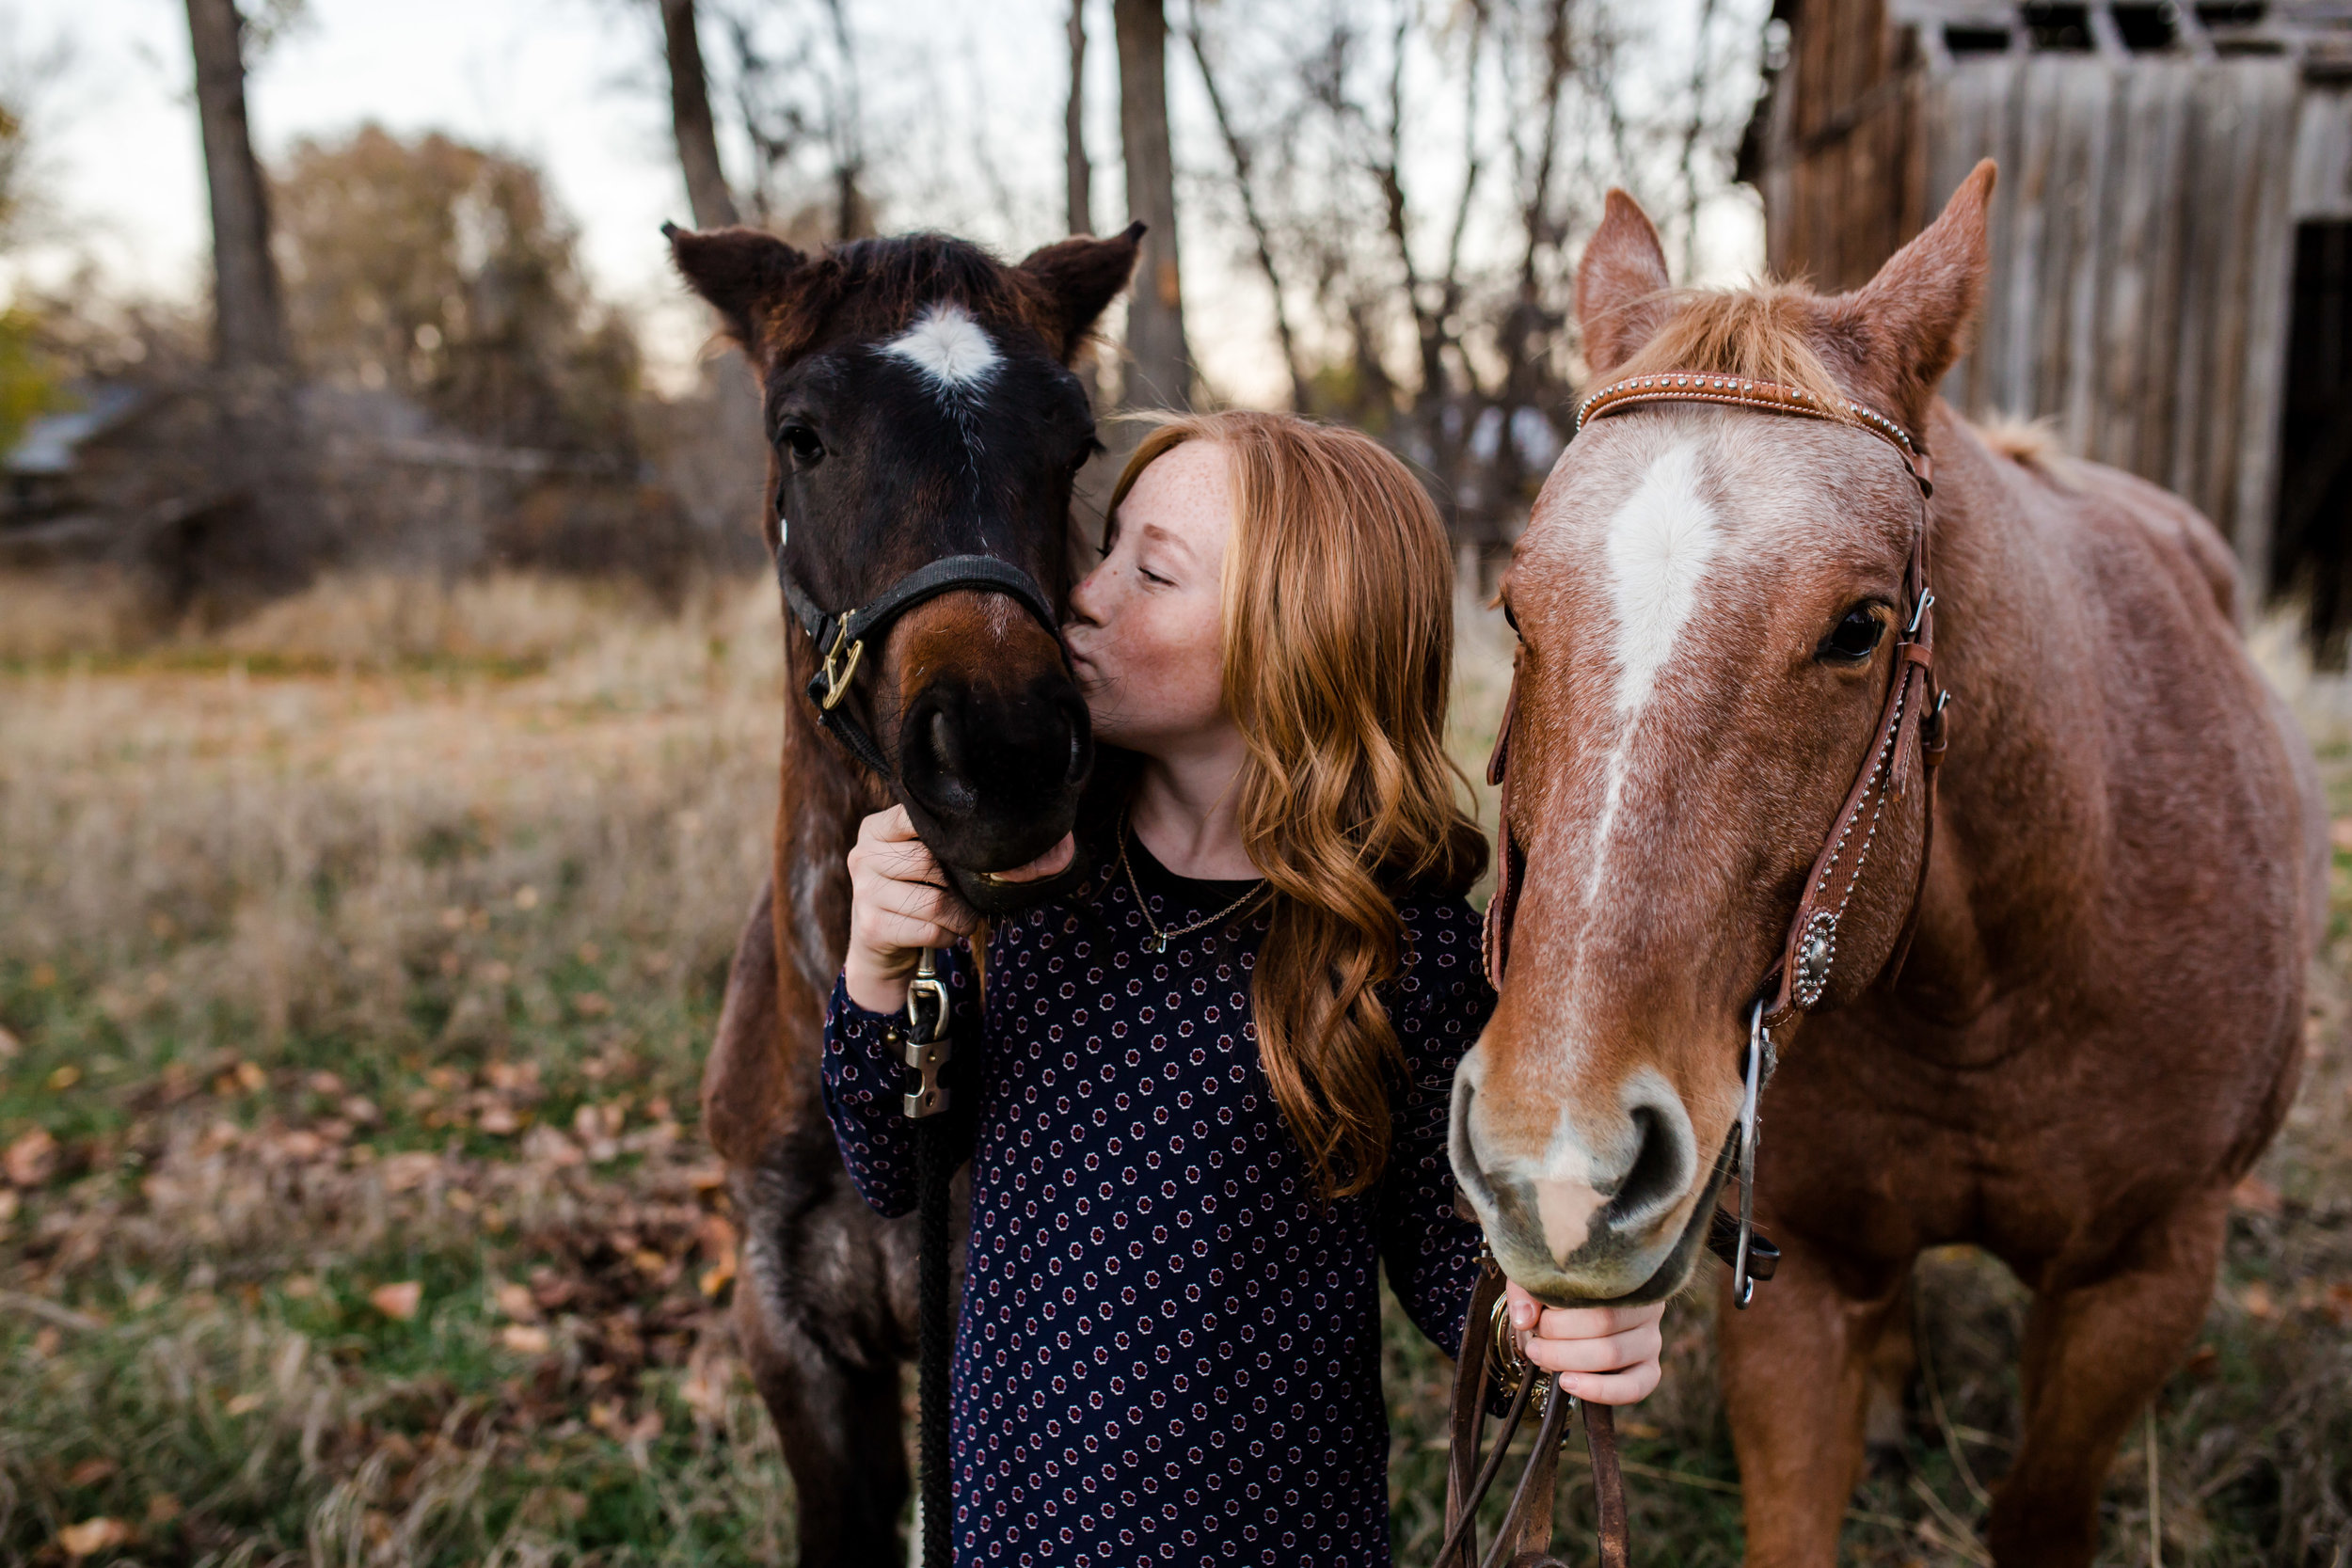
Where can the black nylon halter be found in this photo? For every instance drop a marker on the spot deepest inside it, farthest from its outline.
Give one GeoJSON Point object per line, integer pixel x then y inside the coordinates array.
{"type": "Point", "coordinates": [840, 637]}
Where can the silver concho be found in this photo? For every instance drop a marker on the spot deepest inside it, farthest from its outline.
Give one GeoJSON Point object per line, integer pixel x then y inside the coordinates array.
{"type": "Point", "coordinates": [1816, 951]}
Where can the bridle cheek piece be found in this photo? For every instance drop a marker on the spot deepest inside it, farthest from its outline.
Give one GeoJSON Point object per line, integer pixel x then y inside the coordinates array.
{"type": "Point", "coordinates": [840, 637]}
{"type": "Point", "coordinates": [1910, 720]}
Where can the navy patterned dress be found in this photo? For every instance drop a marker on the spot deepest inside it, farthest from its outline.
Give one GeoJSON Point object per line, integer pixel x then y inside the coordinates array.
{"type": "Point", "coordinates": [1168, 1349]}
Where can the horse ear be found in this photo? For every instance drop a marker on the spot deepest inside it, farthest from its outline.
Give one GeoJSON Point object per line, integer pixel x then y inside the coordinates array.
{"type": "Point", "coordinates": [1914, 315]}
{"type": "Point", "coordinates": [737, 270]}
{"type": "Point", "coordinates": [1079, 279]}
{"type": "Point", "coordinates": [1621, 286]}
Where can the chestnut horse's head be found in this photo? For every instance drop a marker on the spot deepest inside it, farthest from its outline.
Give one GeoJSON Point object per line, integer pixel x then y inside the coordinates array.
{"type": "Point", "coordinates": [919, 404]}
{"type": "Point", "coordinates": [1707, 600]}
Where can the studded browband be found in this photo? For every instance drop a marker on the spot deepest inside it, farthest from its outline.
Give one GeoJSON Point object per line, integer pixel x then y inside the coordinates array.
{"type": "Point", "coordinates": [1911, 716]}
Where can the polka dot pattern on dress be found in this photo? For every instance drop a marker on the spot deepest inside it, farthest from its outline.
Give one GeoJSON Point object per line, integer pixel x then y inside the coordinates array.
{"type": "Point", "coordinates": [1168, 1350]}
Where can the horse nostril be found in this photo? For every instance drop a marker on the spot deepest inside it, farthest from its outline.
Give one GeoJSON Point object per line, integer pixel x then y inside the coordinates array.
{"type": "Point", "coordinates": [1659, 1174]}
{"type": "Point", "coordinates": [943, 750]}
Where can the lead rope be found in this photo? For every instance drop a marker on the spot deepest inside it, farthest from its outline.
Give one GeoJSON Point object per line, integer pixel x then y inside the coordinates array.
{"type": "Point", "coordinates": [926, 1048]}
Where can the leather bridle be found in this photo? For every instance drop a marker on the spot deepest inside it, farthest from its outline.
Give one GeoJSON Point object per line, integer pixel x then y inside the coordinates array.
{"type": "Point", "coordinates": [840, 638]}
{"type": "Point", "coordinates": [1911, 718]}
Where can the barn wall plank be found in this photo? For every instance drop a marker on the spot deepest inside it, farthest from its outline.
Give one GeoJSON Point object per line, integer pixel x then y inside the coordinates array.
{"type": "Point", "coordinates": [2093, 265]}
{"type": "Point", "coordinates": [2323, 154]}
{"type": "Point", "coordinates": [2267, 285]}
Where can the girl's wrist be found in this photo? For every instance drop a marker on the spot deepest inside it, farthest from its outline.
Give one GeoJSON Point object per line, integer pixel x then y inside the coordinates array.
{"type": "Point", "coordinates": [875, 984]}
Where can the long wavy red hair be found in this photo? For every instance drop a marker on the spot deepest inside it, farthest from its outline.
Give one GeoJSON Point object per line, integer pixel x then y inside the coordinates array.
{"type": "Point", "coordinates": [1338, 658]}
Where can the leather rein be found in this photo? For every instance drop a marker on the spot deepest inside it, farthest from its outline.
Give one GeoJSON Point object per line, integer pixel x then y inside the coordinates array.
{"type": "Point", "coordinates": [1911, 720]}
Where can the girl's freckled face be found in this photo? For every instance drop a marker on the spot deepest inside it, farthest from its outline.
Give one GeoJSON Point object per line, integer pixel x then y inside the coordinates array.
{"type": "Point", "coordinates": [1147, 625]}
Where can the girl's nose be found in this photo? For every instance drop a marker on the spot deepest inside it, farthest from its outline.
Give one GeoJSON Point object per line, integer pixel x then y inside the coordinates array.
{"type": "Point", "coordinates": [1082, 605]}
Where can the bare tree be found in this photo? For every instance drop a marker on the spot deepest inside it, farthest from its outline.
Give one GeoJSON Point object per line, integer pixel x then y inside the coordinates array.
{"type": "Point", "coordinates": [1079, 169]}
{"type": "Point", "coordinates": [690, 120]}
{"type": "Point", "coordinates": [1159, 366]}
{"type": "Point", "coordinates": [249, 310]}
{"type": "Point", "coordinates": [1261, 234]}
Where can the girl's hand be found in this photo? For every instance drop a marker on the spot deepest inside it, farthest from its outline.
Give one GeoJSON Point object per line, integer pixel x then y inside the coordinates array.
{"type": "Point", "coordinates": [1607, 1355]}
{"type": "Point", "coordinates": [899, 903]}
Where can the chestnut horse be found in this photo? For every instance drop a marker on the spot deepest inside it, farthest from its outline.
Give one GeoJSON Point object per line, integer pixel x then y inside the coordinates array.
{"type": "Point", "coordinates": [2097, 1023]}
{"type": "Point", "coordinates": [919, 405]}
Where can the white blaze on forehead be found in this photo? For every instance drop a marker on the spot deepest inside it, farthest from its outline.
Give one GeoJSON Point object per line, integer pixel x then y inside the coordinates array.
{"type": "Point", "coordinates": [949, 347]}
{"type": "Point", "coordinates": [1660, 542]}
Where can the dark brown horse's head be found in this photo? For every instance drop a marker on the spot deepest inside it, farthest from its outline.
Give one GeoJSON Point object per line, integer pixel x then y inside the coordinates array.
{"type": "Point", "coordinates": [919, 404]}
{"type": "Point", "coordinates": [1708, 604]}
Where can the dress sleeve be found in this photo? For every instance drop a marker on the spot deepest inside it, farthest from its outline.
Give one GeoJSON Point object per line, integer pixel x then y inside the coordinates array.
{"type": "Point", "coordinates": [863, 1078]}
{"type": "Point", "coordinates": [1437, 1006]}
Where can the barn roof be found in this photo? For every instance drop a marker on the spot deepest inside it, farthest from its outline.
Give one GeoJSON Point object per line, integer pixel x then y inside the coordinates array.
{"type": "Point", "coordinates": [2316, 32]}
{"type": "Point", "coordinates": [50, 441]}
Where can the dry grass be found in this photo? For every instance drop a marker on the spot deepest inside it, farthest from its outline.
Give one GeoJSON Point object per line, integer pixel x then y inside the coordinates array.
{"type": "Point", "coordinates": [372, 944]}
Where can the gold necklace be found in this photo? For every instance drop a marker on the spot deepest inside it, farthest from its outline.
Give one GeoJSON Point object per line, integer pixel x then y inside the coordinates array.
{"type": "Point", "coordinates": [1157, 942]}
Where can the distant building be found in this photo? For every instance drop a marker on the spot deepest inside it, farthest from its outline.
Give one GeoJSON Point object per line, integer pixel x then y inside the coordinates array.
{"type": "Point", "coordinates": [2171, 234]}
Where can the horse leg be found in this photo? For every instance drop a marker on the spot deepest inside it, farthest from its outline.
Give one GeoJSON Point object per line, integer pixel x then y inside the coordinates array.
{"type": "Point", "coordinates": [836, 1411]}
{"type": "Point", "coordinates": [2096, 1352]}
{"type": "Point", "coordinates": [1797, 1368]}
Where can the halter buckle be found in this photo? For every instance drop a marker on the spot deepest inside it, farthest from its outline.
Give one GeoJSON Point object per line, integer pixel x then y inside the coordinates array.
{"type": "Point", "coordinates": [925, 1039]}
{"type": "Point", "coordinates": [838, 668]}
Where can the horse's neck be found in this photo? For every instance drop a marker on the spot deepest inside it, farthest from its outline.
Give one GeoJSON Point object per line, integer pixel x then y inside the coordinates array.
{"type": "Point", "coordinates": [822, 798]}
{"type": "Point", "coordinates": [2020, 820]}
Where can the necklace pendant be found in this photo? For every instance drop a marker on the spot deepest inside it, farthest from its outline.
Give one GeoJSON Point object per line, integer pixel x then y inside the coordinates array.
{"type": "Point", "coordinates": [1159, 941]}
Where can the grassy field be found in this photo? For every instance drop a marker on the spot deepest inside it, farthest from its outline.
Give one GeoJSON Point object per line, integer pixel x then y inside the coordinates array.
{"type": "Point", "coordinates": [355, 971]}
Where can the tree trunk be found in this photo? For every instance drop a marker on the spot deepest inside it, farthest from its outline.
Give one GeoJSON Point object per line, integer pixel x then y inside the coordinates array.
{"type": "Point", "coordinates": [249, 313]}
{"type": "Point", "coordinates": [707, 190]}
{"type": "Point", "coordinates": [1079, 169]}
{"type": "Point", "coordinates": [1159, 369]}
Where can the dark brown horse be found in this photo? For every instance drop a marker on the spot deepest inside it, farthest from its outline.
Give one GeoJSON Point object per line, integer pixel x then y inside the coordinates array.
{"type": "Point", "coordinates": [920, 406]}
{"type": "Point", "coordinates": [2096, 1028]}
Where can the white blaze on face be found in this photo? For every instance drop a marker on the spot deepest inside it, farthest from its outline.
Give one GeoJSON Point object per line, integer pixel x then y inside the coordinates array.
{"type": "Point", "coordinates": [1658, 544]}
{"type": "Point", "coordinates": [951, 350]}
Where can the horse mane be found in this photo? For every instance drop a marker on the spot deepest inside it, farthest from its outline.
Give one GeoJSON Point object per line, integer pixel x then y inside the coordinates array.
{"type": "Point", "coordinates": [1761, 333]}
{"type": "Point", "coordinates": [889, 278]}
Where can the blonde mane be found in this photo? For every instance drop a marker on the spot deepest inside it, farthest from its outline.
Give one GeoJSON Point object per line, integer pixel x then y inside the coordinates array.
{"type": "Point", "coordinates": [1760, 334]}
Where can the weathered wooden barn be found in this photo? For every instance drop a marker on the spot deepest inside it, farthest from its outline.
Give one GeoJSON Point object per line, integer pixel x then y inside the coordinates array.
{"type": "Point", "coordinates": [2171, 233]}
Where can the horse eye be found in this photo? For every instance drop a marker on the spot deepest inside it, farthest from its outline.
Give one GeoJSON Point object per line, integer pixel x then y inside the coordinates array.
{"type": "Point", "coordinates": [1853, 638]}
{"type": "Point", "coordinates": [802, 444]}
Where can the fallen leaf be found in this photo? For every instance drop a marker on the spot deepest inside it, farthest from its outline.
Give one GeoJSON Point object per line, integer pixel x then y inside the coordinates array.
{"type": "Point", "coordinates": [252, 1078]}
{"type": "Point", "coordinates": [2257, 1196]}
{"type": "Point", "coordinates": [705, 1393]}
{"type": "Point", "coordinates": [2338, 1304]}
{"type": "Point", "coordinates": [406, 1172]}
{"type": "Point", "coordinates": [499, 1122]}
{"type": "Point", "coordinates": [162, 1509]}
{"type": "Point", "coordinates": [246, 1404]}
{"type": "Point", "coordinates": [46, 1341]}
{"type": "Point", "coordinates": [90, 1472]}
{"type": "Point", "coordinates": [1645, 1429]}
{"type": "Point", "coordinates": [65, 1078]}
{"type": "Point", "coordinates": [526, 898]}
{"type": "Point", "coordinates": [718, 1276]}
{"type": "Point", "coordinates": [398, 1301]}
{"type": "Point", "coordinates": [525, 1338]}
{"type": "Point", "coordinates": [32, 1159]}
{"type": "Point", "coordinates": [92, 1536]}
{"type": "Point", "coordinates": [2257, 1301]}
{"type": "Point", "coordinates": [516, 1302]}
{"type": "Point", "coordinates": [326, 1083]}
{"type": "Point", "coordinates": [10, 1046]}
{"type": "Point", "coordinates": [2340, 832]}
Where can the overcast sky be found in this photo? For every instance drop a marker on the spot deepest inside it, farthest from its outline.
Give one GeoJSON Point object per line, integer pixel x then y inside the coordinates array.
{"type": "Point", "coordinates": [968, 99]}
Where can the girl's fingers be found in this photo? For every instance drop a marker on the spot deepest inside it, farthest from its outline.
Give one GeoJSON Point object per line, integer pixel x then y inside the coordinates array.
{"type": "Point", "coordinates": [1625, 1387]}
{"type": "Point", "coordinates": [889, 929]}
{"type": "Point", "coordinates": [1607, 1353]}
{"type": "Point", "coordinates": [1591, 1322]}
